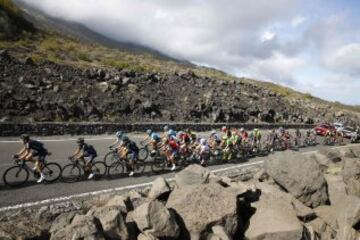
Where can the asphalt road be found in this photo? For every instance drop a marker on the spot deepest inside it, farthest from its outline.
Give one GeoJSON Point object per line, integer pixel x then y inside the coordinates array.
{"type": "Point", "coordinates": [61, 148]}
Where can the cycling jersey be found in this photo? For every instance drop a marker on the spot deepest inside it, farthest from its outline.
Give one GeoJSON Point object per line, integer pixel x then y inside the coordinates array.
{"type": "Point", "coordinates": [131, 147]}
{"type": "Point", "coordinates": [88, 150]}
{"type": "Point", "coordinates": [257, 135]}
{"type": "Point", "coordinates": [36, 146]}
{"type": "Point", "coordinates": [244, 135]}
{"type": "Point", "coordinates": [173, 145]}
{"type": "Point", "coordinates": [204, 149]}
{"type": "Point", "coordinates": [184, 137]}
{"type": "Point", "coordinates": [235, 139]}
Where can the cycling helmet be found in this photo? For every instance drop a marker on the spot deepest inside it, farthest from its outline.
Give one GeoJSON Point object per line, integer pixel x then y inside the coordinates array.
{"type": "Point", "coordinates": [80, 141]}
{"type": "Point", "coordinates": [213, 132]}
{"type": "Point", "coordinates": [166, 128]}
{"type": "Point", "coordinates": [202, 141]}
{"type": "Point", "coordinates": [125, 138]}
{"type": "Point", "coordinates": [256, 130]}
{"type": "Point", "coordinates": [25, 137]}
{"type": "Point", "coordinates": [149, 131]}
{"type": "Point", "coordinates": [224, 129]}
{"type": "Point", "coordinates": [242, 130]}
{"type": "Point", "coordinates": [119, 134]}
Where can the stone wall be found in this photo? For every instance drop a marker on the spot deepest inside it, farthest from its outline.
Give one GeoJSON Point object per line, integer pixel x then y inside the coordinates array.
{"type": "Point", "coordinates": [48, 129]}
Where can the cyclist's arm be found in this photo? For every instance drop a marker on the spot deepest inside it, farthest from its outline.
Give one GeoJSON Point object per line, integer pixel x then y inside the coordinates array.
{"type": "Point", "coordinates": [114, 143]}
{"type": "Point", "coordinates": [77, 154]}
{"type": "Point", "coordinates": [23, 149]}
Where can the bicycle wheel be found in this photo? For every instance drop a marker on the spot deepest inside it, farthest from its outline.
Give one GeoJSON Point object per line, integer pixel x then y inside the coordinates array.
{"type": "Point", "coordinates": [15, 176]}
{"type": "Point", "coordinates": [71, 173]}
{"type": "Point", "coordinates": [158, 164]}
{"type": "Point", "coordinates": [116, 170]}
{"type": "Point", "coordinates": [139, 167]}
{"type": "Point", "coordinates": [143, 153]}
{"type": "Point", "coordinates": [99, 169]}
{"type": "Point", "coordinates": [52, 172]}
{"type": "Point", "coordinates": [110, 158]}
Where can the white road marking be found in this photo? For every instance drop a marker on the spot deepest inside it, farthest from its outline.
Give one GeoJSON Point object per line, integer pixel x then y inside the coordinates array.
{"type": "Point", "coordinates": [118, 189]}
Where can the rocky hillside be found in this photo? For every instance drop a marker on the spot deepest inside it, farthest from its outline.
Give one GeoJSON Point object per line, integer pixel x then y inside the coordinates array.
{"type": "Point", "coordinates": [47, 76]}
{"type": "Point", "coordinates": [12, 25]}
{"type": "Point", "coordinates": [295, 196]}
{"type": "Point", "coordinates": [53, 92]}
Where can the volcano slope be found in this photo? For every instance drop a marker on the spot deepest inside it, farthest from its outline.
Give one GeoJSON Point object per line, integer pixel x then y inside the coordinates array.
{"type": "Point", "coordinates": [49, 76]}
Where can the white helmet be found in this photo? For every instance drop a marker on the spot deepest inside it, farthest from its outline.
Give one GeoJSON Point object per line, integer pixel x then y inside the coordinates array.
{"type": "Point", "coordinates": [202, 141]}
{"type": "Point", "coordinates": [166, 128]}
{"type": "Point", "coordinates": [119, 134]}
{"type": "Point", "coordinates": [241, 129]}
{"type": "Point", "coordinates": [213, 132]}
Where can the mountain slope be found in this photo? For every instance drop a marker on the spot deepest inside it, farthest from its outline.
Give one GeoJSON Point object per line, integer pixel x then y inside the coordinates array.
{"type": "Point", "coordinates": [67, 79]}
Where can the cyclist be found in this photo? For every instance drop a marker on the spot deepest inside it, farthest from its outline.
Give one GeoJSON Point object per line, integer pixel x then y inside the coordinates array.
{"type": "Point", "coordinates": [226, 136]}
{"type": "Point", "coordinates": [204, 152]}
{"type": "Point", "coordinates": [85, 153]}
{"type": "Point", "coordinates": [118, 142]}
{"type": "Point", "coordinates": [32, 149]}
{"type": "Point", "coordinates": [132, 149]}
{"type": "Point", "coordinates": [168, 133]}
{"type": "Point", "coordinates": [184, 141]}
{"type": "Point", "coordinates": [244, 135]}
{"type": "Point", "coordinates": [154, 139]}
{"type": "Point", "coordinates": [172, 151]}
{"type": "Point", "coordinates": [191, 134]}
{"type": "Point", "coordinates": [235, 138]}
{"type": "Point", "coordinates": [214, 140]}
{"type": "Point", "coordinates": [228, 148]}
{"type": "Point", "coordinates": [256, 138]}
{"type": "Point", "coordinates": [271, 138]}
{"type": "Point", "coordinates": [297, 137]}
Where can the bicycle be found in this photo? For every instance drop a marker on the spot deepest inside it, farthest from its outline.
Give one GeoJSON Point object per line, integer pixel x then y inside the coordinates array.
{"type": "Point", "coordinates": [18, 175]}
{"type": "Point", "coordinates": [119, 165]}
{"type": "Point", "coordinates": [73, 171]}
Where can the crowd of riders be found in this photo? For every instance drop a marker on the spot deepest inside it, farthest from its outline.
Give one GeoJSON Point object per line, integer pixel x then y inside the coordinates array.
{"type": "Point", "coordinates": [173, 145]}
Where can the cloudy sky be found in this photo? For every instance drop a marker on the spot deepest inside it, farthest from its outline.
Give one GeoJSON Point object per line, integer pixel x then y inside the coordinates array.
{"type": "Point", "coordinates": [309, 45]}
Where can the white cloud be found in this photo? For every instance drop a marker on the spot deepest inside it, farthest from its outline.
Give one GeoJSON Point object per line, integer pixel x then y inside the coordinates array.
{"type": "Point", "coordinates": [267, 36]}
{"type": "Point", "coordinates": [277, 68]}
{"type": "Point", "coordinates": [345, 59]}
{"type": "Point", "coordinates": [296, 21]}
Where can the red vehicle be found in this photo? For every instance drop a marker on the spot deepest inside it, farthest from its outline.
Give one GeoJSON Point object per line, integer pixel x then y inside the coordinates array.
{"type": "Point", "coordinates": [322, 129]}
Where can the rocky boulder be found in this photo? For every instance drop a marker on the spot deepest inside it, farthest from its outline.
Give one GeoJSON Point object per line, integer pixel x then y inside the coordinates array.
{"type": "Point", "coordinates": [155, 219]}
{"type": "Point", "coordinates": [192, 175]}
{"type": "Point", "coordinates": [112, 221]}
{"type": "Point", "coordinates": [274, 219]}
{"type": "Point", "coordinates": [201, 206]}
{"type": "Point", "coordinates": [351, 175]}
{"type": "Point", "coordinates": [300, 175]}
{"type": "Point", "coordinates": [81, 227]}
{"type": "Point", "coordinates": [159, 188]}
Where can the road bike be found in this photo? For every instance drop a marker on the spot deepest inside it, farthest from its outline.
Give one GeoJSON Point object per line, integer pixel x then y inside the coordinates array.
{"type": "Point", "coordinates": [19, 174]}
{"type": "Point", "coordinates": [73, 171]}
{"type": "Point", "coordinates": [120, 166]}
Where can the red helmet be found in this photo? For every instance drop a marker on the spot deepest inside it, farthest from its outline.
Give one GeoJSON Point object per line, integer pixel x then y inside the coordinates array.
{"type": "Point", "coordinates": [224, 129]}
